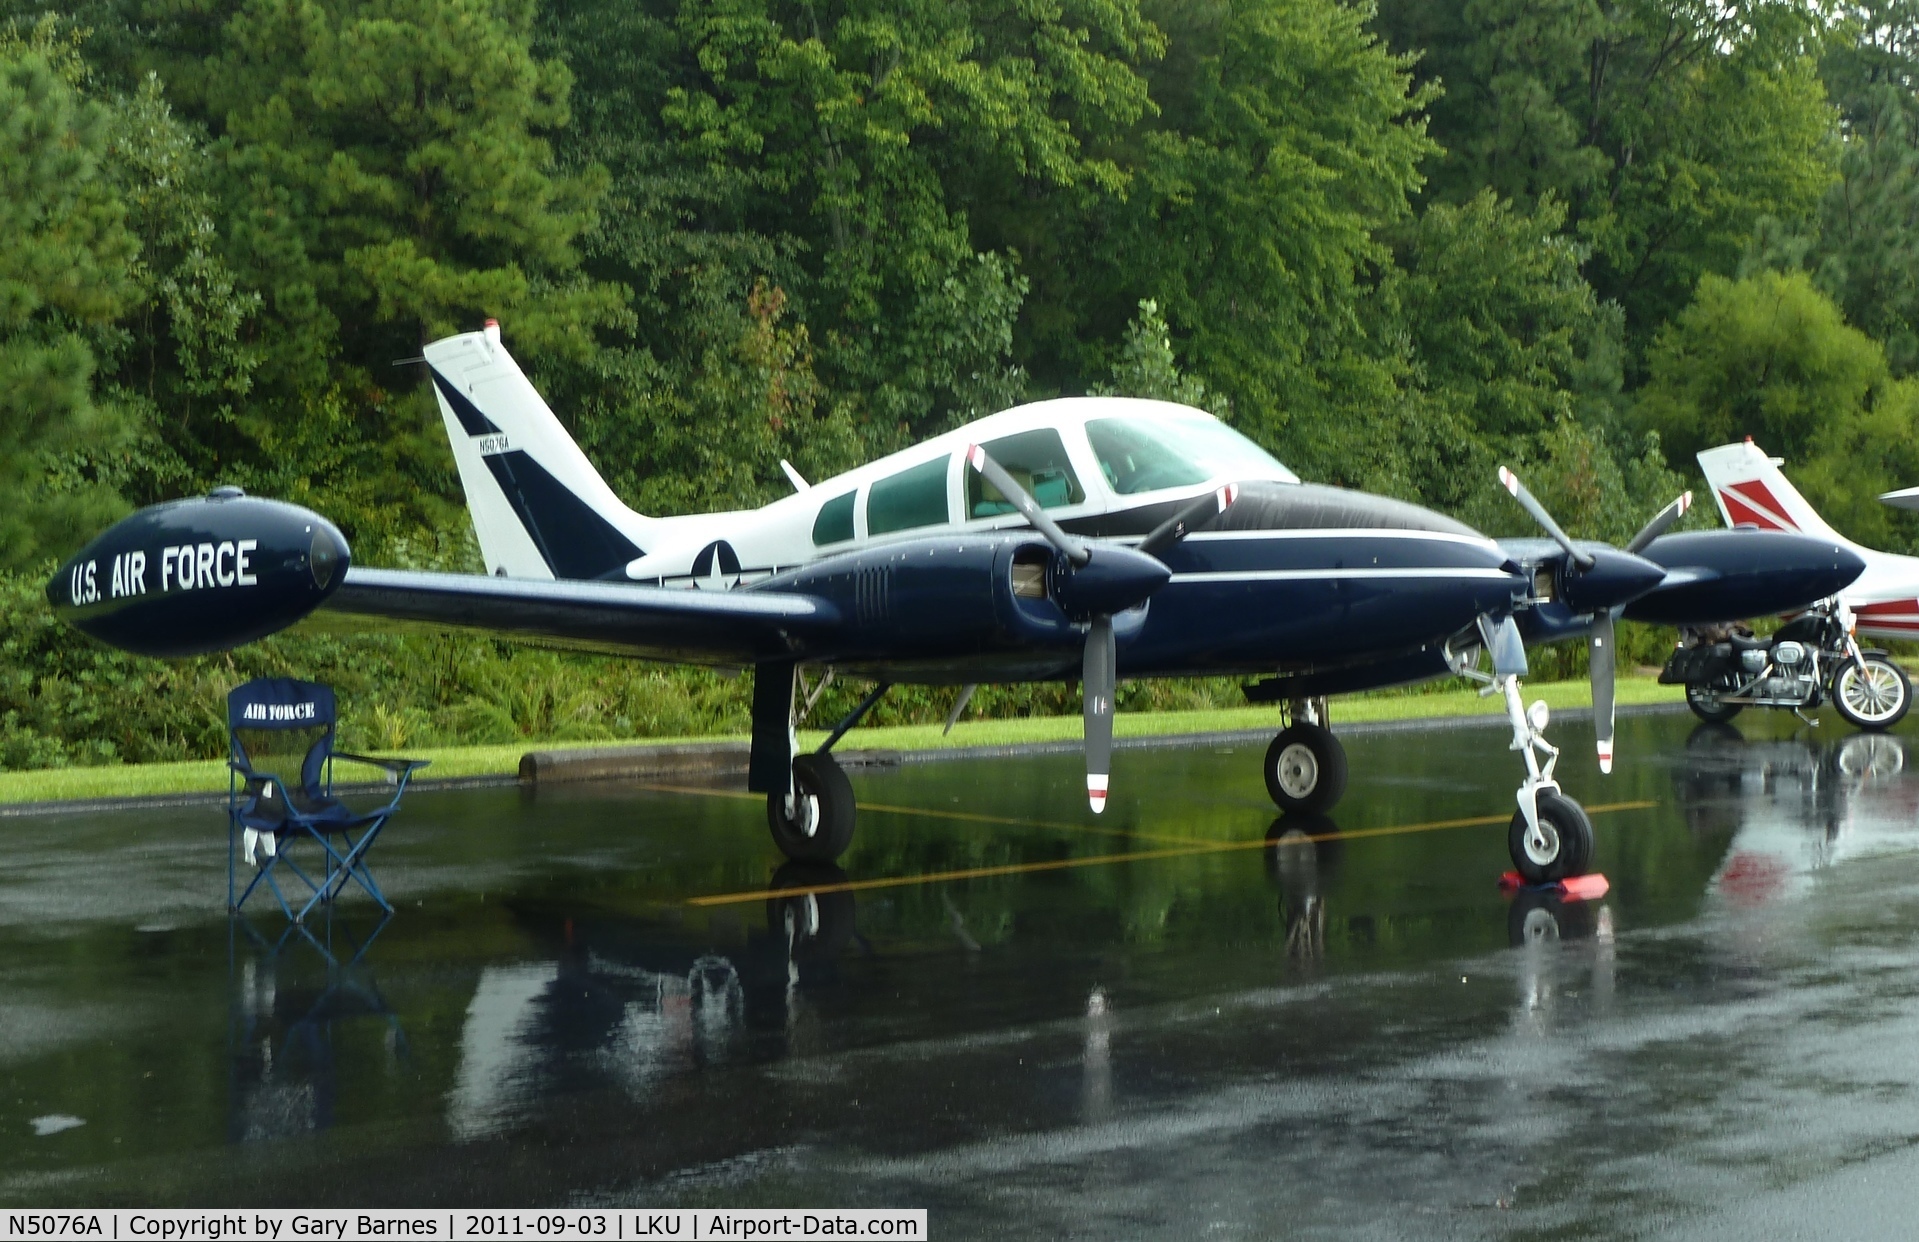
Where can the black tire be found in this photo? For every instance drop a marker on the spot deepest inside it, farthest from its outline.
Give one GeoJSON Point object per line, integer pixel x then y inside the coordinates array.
{"type": "Point", "coordinates": [1708, 708]}
{"type": "Point", "coordinates": [1305, 769]}
{"type": "Point", "coordinates": [1568, 846]}
{"type": "Point", "coordinates": [825, 798]}
{"type": "Point", "coordinates": [1877, 701]}
{"type": "Point", "coordinates": [811, 925]}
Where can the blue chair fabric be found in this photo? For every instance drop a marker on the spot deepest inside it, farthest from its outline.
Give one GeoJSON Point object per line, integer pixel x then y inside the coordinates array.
{"type": "Point", "coordinates": [267, 809]}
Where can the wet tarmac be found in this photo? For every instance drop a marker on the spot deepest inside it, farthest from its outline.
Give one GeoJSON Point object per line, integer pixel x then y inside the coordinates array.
{"type": "Point", "coordinates": [1172, 1021]}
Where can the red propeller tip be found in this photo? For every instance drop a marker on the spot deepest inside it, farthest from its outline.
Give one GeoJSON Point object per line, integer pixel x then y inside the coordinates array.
{"type": "Point", "coordinates": [1605, 756]}
{"type": "Point", "coordinates": [1096, 792]}
{"type": "Point", "coordinates": [1228, 494]}
{"type": "Point", "coordinates": [976, 457]}
{"type": "Point", "coordinates": [1509, 480]}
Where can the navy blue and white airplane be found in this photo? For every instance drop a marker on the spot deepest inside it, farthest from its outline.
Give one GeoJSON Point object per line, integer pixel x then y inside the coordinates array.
{"type": "Point", "coordinates": [1089, 537]}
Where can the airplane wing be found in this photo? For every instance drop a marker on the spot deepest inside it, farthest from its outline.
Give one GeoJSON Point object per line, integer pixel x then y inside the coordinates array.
{"type": "Point", "coordinates": [659, 623]}
{"type": "Point", "coordinates": [1904, 498]}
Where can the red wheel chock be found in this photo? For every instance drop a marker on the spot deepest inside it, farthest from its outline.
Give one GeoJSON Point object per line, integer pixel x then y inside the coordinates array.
{"type": "Point", "coordinates": [1572, 888]}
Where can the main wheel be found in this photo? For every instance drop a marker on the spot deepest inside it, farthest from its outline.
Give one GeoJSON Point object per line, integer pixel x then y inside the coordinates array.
{"type": "Point", "coordinates": [1707, 707]}
{"type": "Point", "coordinates": [1565, 844]}
{"type": "Point", "coordinates": [815, 822]}
{"type": "Point", "coordinates": [1875, 699]}
{"type": "Point", "coordinates": [1305, 769]}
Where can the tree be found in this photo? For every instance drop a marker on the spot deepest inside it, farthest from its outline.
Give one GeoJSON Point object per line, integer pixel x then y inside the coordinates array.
{"type": "Point", "coordinates": [1669, 128]}
{"type": "Point", "coordinates": [1769, 356]}
{"type": "Point", "coordinates": [63, 281]}
{"type": "Point", "coordinates": [388, 182]}
{"type": "Point", "coordinates": [1285, 140]}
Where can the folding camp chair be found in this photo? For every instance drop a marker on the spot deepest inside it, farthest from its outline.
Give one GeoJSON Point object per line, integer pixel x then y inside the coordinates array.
{"type": "Point", "coordinates": [269, 814]}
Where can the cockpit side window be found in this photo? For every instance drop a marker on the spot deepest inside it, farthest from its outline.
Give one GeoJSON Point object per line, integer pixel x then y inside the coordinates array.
{"type": "Point", "coordinates": [1146, 455]}
{"type": "Point", "coordinates": [914, 497]}
{"type": "Point", "coordinates": [835, 522]}
{"type": "Point", "coordinates": [1037, 461]}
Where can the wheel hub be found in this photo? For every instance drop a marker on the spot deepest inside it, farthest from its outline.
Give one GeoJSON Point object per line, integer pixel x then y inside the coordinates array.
{"type": "Point", "coordinates": [803, 813]}
{"type": "Point", "coordinates": [1298, 770]}
{"type": "Point", "coordinates": [1542, 844]}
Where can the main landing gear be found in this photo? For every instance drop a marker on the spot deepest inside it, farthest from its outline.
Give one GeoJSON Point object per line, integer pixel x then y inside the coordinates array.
{"type": "Point", "coordinates": [810, 809]}
{"type": "Point", "coordinates": [1305, 766]}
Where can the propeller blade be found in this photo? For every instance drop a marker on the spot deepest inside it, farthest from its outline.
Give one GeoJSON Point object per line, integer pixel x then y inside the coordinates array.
{"type": "Point", "coordinates": [959, 705]}
{"type": "Point", "coordinates": [1098, 677]}
{"type": "Point", "coordinates": [1599, 646]}
{"type": "Point", "coordinates": [1074, 550]}
{"type": "Point", "coordinates": [1530, 504]}
{"type": "Point", "coordinates": [1200, 512]}
{"type": "Point", "coordinates": [1660, 521]}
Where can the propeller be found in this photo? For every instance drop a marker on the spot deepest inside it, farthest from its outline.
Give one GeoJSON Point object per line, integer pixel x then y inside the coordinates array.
{"type": "Point", "coordinates": [1599, 653]}
{"type": "Point", "coordinates": [1660, 521]}
{"type": "Point", "coordinates": [1530, 504]}
{"type": "Point", "coordinates": [1102, 578]}
{"type": "Point", "coordinates": [1197, 514]}
{"type": "Point", "coordinates": [1603, 584]}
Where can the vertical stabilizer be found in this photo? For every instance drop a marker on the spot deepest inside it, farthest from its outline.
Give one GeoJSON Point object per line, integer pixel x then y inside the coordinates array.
{"type": "Point", "coordinates": [1750, 491]}
{"type": "Point", "coordinates": [539, 507]}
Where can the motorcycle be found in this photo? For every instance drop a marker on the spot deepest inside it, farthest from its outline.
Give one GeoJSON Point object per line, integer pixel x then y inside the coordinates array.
{"type": "Point", "coordinates": [1809, 659]}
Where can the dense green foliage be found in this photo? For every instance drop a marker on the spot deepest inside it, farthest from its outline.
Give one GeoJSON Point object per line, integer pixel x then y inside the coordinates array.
{"type": "Point", "coordinates": [1398, 246]}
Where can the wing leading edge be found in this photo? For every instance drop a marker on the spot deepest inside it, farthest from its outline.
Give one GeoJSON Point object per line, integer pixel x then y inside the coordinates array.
{"type": "Point", "coordinates": [692, 627]}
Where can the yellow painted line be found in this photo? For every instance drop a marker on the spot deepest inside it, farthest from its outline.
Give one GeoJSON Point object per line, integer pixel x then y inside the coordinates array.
{"type": "Point", "coordinates": [965, 816]}
{"type": "Point", "coordinates": [1103, 860]}
{"type": "Point", "coordinates": [972, 817]}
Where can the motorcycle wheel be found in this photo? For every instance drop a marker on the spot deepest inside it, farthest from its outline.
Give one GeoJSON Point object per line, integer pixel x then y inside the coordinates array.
{"type": "Point", "coordinates": [1707, 706]}
{"type": "Point", "coordinates": [1876, 699]}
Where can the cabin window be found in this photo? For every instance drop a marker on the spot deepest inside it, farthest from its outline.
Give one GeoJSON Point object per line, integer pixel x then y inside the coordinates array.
{"type": "Point", "coordinates": [1147, 454]}
{"type": "Point", "coordinates": [914, 497]}
{"type": "Point", "coordinates": [1037, 461]}
{"type": "Point", "coordinates": [835, 522]}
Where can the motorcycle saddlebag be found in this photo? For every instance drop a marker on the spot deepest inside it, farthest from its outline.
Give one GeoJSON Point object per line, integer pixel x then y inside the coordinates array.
{"type": "Point", "coordinates": [1696, 664]}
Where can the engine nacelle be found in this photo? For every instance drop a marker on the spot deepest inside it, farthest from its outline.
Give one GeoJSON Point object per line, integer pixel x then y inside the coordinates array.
{"type": "Point", "coordinates": [944, 596]}
{"type": "Point", "coordinates": [193, 576]}
{"type": "Point", "coordinates": [1729, 575]}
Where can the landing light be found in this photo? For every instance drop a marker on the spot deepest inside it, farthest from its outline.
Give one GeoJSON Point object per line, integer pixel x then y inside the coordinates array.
{"type": "Point", "coordinates": [1538, 714]}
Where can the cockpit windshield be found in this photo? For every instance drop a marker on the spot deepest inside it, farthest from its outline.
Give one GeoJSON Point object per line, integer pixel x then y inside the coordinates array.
{"type": "Point", "coordinates": [1147, 454]}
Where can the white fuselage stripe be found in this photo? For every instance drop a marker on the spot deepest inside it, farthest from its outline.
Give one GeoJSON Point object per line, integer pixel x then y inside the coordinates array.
{"type": "Point", "coordinates": [1343, 532]}
{"type": "Point", "coordinates": [1296, 575]}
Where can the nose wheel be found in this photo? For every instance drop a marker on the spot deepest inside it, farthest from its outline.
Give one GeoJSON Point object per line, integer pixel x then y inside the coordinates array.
{"type": "Point", "coordinates": [1555, 847]}
{"type": "Point", "coordinates": [812, 821]}
{"type": "Point", "coordinates": [1305, 769]}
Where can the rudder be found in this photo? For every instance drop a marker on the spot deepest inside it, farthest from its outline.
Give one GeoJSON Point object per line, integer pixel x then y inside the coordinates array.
{"type": "Point", "coordinates": [1750, 491]}
{"type": "Point", "coordinates": [539, 507]}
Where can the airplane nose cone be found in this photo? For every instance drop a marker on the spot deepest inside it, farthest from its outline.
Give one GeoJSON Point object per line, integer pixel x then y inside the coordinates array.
{"type": "Point", "coordinates": [1615, 578]}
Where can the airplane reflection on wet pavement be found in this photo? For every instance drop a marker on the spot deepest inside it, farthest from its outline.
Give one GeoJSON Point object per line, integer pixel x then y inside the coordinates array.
{"type": "Point", "coordinates": [1189, 1016]}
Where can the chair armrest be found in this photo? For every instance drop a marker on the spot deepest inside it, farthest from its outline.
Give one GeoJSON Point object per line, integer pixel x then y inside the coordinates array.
{"type": "Point", "coordinates": [397, 770]}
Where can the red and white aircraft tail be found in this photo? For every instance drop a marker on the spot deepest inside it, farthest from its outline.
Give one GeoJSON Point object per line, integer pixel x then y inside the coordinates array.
{"type": "Point", "coordinates": [1750, 491]}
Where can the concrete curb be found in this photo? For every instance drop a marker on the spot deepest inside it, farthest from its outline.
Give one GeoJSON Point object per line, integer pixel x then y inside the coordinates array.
{"type": "Point", "coordinates": [707, 761]}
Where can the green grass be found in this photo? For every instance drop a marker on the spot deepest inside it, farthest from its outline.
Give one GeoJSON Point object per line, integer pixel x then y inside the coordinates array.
{"type": "Point", "coordinates": [207, 776]}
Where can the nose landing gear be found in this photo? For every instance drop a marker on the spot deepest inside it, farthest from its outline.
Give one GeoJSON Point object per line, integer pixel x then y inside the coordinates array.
{"type": "Point", "coordinates": [1550, 838]}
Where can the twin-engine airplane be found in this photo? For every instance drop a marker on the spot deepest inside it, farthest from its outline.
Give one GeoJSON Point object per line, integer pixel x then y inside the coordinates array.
{"type": "Point", "coordinates": [1089, 537]}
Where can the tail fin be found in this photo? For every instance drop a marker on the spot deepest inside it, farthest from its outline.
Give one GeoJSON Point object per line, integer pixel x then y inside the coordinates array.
{"type": "Point", "coordinates": [1750, 491]}
{"type": "Point", "coordinates": [539, 507]}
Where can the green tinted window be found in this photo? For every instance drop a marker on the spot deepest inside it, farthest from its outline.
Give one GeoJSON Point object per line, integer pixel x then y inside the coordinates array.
{"type": "Point", "coordinates": [914, 497]}
{"type": "Point", "coordinates": [1146, 454]}
{"type": "Point", "coordinates": [835, 522]}
{"type": "Point", "coordinates": [1037, 462]}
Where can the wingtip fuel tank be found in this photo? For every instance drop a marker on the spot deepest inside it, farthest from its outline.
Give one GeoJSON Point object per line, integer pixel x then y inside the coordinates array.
{"type": "Point", "coordinates": [206, 574]}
